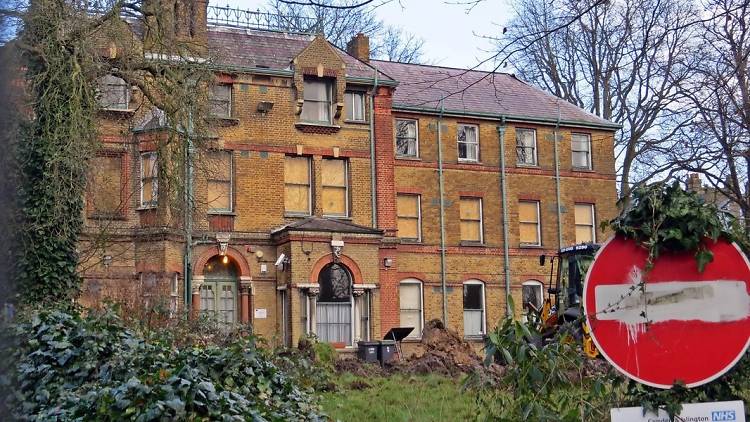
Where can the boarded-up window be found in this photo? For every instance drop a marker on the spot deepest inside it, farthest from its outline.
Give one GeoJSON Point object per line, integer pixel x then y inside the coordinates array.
{"type": "Point", "coordinates": [106, 185]}
{"type": "Point", "coordinates": [409, 217]}
{"type": "Point", "coordinates": [317, 103]}
{"type": "Point", "coordinates": [584, 216]}
{"type": "Point", "coordinates": [335, 188]}
{"type": "Point", "coordinates": [220, 100]}
{"type": "Point", "coordinates": [528, 222]}
{"type": "Point", "coordinates": [114, 93]}
{"type": "Point", "coordinates": [471, 219]}
{"type": "Point", "coordinates": [149, 180]}
{"type": "Point", "coordinates": [297, 185]}
{"type": "Point", "coordinates": [410, 306]}
{"type": "Point", "coordinates": [219, 180]}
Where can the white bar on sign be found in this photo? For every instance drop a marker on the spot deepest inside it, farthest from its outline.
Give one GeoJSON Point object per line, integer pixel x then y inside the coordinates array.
{"type": "Point", "coordinates": [708, 301]}
{"type": "Point", "coordinates": [721, 411]}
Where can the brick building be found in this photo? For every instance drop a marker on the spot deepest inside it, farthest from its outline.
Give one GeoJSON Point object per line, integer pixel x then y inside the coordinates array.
{"type": "Point", "coordinates": [344, 196]}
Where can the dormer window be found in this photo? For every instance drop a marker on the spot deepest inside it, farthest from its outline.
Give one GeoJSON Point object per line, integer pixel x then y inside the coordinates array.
{"type": "Point", "coordinates": [220, 101]}
{"type": "Point", "coordinates": [318, 101]}
{"type": "Point", "coordinates": [114, 93]}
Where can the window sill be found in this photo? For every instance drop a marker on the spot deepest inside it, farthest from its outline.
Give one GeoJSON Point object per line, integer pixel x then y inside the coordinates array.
{"type": "Point", "coordinates": [224, 121]}
{"type": "Point", "coordinates": [465, 161]}
{"type": "Point", "coordinates": [408, 158]}
{"type": "Point", "coordinates": [475, 337]}
{"type": "Point", "coordinates": [472, 244]}
{"type": "Point", "coordinates": [582, 169]}
{"type": "Point", "coordinates": [146, 208]}
{"type": "Point", "coordinates": [527, 246]}
{"type": "Point", "coordinates": [410, 241]}
{"type": "Point", "coordinates": [357, 122]}
{"type": "Point", "coordinates": [528, 166]}
{"type": "Point", "coordinates": [225, 213]}
{"type": "Point", "coordinates": [116, 111]}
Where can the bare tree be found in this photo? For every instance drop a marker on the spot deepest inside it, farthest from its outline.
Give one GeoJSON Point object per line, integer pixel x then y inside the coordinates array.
{"type": "Point", "coordinates": [397, 45]}
{"type": "Point", "coordinates": [623, 61]}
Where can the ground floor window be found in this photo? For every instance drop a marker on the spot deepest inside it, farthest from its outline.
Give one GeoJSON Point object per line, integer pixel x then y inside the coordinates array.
{"type": "Point", "coordinates": [410, 306]}
{"type": "Point", "coordinates": [333, 309]}
{"type": "Point", "coordinates": [474, 308]}
{"type": "Point", "coordinates": [532, 297]}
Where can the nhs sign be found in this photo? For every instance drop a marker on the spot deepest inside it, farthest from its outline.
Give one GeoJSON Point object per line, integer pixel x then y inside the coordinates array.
{"type": "Point", "coordinates": [732, 411]}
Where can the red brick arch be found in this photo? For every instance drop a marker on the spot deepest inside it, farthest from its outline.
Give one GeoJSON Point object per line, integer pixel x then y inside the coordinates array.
{"type": "Point", "coordinates": [232, 253]}
{"type": "Point", "coordinates": [327, 259]}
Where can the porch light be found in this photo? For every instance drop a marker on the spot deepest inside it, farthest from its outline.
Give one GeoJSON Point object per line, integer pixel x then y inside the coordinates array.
{"type": "Point", "coordinates": [225, 260]}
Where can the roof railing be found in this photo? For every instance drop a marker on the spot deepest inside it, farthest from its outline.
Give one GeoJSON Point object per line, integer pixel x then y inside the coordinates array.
{"type": "Point", "coordinates": [240, 18]}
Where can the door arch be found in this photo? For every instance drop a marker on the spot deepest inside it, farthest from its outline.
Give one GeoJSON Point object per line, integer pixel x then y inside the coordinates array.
{"type": "Point", "coordinates": [335, 304]}
{"type": "Point", "coordinates": [218, 292]}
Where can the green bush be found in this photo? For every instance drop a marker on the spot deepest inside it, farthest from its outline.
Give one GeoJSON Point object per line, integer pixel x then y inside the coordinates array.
{"type": "Point", "coordinates": [71, 367]}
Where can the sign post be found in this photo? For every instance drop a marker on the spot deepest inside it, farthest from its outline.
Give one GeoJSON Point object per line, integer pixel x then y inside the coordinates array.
{"type": "Point", "coordinates": [672, 323]}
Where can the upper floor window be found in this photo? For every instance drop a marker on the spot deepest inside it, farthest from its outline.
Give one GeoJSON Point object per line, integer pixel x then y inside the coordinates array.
{"type": "Point", "coordinates": [584, 220]}
{"type": "Point", "coordinates": [354, 101]}
{"type": "Point", "coordinates": [335, 184]}
{"type": "Point", "coordinates": [297, 185]}
{"type": "Point", "coordinates": [581, 148]}
{"type": "Point", "coordinates": [220, 100]}
{"type": "Point", "coordinates": [149, 179]}
{"type": "Point", "coordinates": [528, 222]}
{"type": "Point", "coordinates": [219, 177]}
{"type": "Point", "coordinates": [468, 143]}
{"type": "Point", "coordinates": [318, 101]}
{"type": "Point", "coordinates": [471, 219]}
{"type": "Point", "coordinates": [105, 192]}
{"type": "Point", "coordinates": [526, 147]}
{"type": "Point", "coordinates": [114, 93]}
{"type": "Point", "coordinates": [407, 141]}
{"type": "Point", "coordinates": [409, 217]}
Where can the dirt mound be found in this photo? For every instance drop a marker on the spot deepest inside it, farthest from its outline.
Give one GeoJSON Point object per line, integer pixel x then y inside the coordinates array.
{"type": "Point", "coordinates": [358, 367]}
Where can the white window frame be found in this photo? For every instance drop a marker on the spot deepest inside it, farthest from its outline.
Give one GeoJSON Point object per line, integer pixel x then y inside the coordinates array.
{"type": "Point", "coordinates": [537, 284]}
{"type": "Point", "coordinates": [416, 334]}
{"type": "Point", "coordinates": [231, 184]}
{"type": "Point", "coordinates": [349, 97]}
{"type": "Point", "coordinates": [538, 224]}
{"type": "Point", "coordinates": [346, 186]}
{"type": "Point", "coordinates": [108, 81]}
{"type": "Point", "coordinates": [155, 177]}
{"type": "Point", "coordinates": [484, 307]}
{"type": "Point", "coordinates": [328, 101]}
{"type": "Point", "coordinates": [475, 144]}
{"type": "Point", "coordinates": [309, 189]}
{"type": "Point", "coordinates": [419, 217]}
{"type": "Point", "coordinates": [481, 218]}
{"type": "Point", "coordinates": [416, 138]}
{"type": "Point", "coordinates": [587, 152]}
{"type": "Point", "coordinates": [592, 207]}
{"type": "Point", "coordinates": [212, 100]}
{"type": "Point", "coordinates": [535, 148]}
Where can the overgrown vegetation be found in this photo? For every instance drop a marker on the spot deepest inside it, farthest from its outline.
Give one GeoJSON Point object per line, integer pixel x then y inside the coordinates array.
{"type": "Point", "coordinates": [72, 367]}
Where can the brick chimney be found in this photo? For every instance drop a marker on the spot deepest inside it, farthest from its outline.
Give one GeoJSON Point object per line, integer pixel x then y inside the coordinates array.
{"type": "Point", "coordinates": [694, 183]}
{"type": "Point", "coordinates": [359, 47]}
{"type": "Point", "coordinates": [178, 25]}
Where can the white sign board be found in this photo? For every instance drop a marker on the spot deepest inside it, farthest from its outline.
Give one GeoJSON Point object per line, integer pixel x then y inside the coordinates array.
{"type": "Point", "coordinates": [261, 313]}
{"type": "Point", "coordinates": [733, 411]}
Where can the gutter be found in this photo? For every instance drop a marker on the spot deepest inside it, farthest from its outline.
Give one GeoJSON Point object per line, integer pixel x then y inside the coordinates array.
{"type": "Point", "coordinates": [288, 73]}
{"type": "Point", "coordinates": [441, 188]}
{"type": "Point", "coordinates": [373, 187]}
{"type": "Point", "coordinates": [504, 201]}
{"type": "Point", "coordinates": [508, 118]}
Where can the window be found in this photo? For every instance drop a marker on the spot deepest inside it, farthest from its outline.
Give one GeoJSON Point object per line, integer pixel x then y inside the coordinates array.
{"type": "Point", "coordinates": [114, 93]}
{"type": "Point", "coordinates": [317, 104]}
{"type": "Point", "coordinates": [355, 106]}
{"type": "Point", "coordinates": [149, 180]}
{"type": "Point", "coordinates": [585, 227]}
{"type": "Point", "coordinates": [531, 296]}
{"type": "Point", "coordinates": [528, 222]}
{"type": "Point", "coordinates": [526, 147]}
{"type": "Point", "coordinates": [409, 217]}
{"type": "Point", "coordinates": [468, 143]}
{"type": "Point", "coordinates": [410, 306]}
{"type": "Point", "coordinates": [335, 184]}
{"type": "Point", "coordinates": [219, 171]}
{"type": "Point", "coordinates": [220, 100]}
{"type": "Point", "coordinates": [471, 220]}
{"type": "Point", "coordinates": [106, 191]}
{"type": "Point", "coordinates": [473, 308]}
{"type": "Point", "coordinates": [297, 185]}
{"type": "Point", "coordinates": [407, 139]}
{"type": "Point", "coordinates": [333, 308]}
{"type": "Point", "coordinates": [581, 147]}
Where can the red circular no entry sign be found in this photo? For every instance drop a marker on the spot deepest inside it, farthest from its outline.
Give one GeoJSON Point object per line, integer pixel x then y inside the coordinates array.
{"type": "Point", "coordinates": [680, 325]}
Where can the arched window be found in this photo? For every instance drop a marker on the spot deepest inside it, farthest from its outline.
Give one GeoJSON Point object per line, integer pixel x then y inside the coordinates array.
{"type": "Point", "coordinates": [474, 314]}
{"type": "Point", "coordinates": [334, 305]}
{"type": "Point", "coordinates": [410, 306]}
{"type": "Point", "coordinates": [218, 293]}
{"type": "Point", "coordinates": [532, 296]}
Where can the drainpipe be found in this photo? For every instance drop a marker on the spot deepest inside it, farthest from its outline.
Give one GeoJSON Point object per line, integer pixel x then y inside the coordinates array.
{"type": "Point", "coordinates": [557, 179]}
{"type": "Point", "coordinates": [504, 201]}
{"type": "Point", "coordinates": [188, 216]}
{"type": "Point", "coordinates": [442, 213]}
{"type": "Point", "coordinates": [373, 199]}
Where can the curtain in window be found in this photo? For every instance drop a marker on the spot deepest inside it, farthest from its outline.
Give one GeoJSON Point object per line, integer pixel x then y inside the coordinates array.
{"type": "Point", "coordinates": [406, 138]}
{"type": "Point", "coordinates": [468, 143]}
{"type": "Point", "coordinates": [297, 185]}
{"type": "Point", "coordinates": [317, 103]}
{"type": "Point", "coordinates": [410, 303]}
{"type": "Point", "coordinates": [526, 146]}
{"type": "Point", "coordinates": [334, 306]}
{"type": "Point", "coordinates": [334, 184]}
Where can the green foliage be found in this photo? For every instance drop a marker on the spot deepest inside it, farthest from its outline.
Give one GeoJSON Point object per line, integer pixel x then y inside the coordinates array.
{"type": "Point", "coordinates": [664, 217]}
{"type": "Point", "coordinates": [545, 379]}
{"type": "Point", "coordinates": [69, 367]}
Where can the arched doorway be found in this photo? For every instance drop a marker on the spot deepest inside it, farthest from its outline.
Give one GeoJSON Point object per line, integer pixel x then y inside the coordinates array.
{"type": "Point", "coordinates": [218, 292]}
{"type": "Point", "coordinates": [334, 305]}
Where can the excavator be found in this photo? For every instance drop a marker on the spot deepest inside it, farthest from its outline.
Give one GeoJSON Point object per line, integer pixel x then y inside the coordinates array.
{"type": "Point", "coordinates": [562, 306]}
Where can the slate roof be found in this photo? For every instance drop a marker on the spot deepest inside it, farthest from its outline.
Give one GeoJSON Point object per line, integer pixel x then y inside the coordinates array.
{"type": "Point", "coordinates": [272, 50]}
{"type": "Point", "coordinates": [478, 92]}
{"type": "Point", "coordinates": [322, 224]}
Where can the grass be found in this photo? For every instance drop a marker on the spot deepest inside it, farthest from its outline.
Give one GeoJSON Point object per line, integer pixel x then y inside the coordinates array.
{"type": "Point", "coordinates": [399, 398]}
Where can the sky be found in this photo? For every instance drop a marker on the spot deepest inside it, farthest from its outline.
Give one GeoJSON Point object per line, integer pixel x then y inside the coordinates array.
{"type": "Point", "coordinates": [452, 36]}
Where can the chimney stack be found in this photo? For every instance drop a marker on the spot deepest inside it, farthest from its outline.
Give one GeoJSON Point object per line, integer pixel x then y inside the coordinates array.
{"type": "Point", "coordinates": [694, 183]}
{"type": "Point", "coordinates": [359, 47]}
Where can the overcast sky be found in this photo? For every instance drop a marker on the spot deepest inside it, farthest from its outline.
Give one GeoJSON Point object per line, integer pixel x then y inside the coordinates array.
{"type": "Point", "coordinates": [452, 36]}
